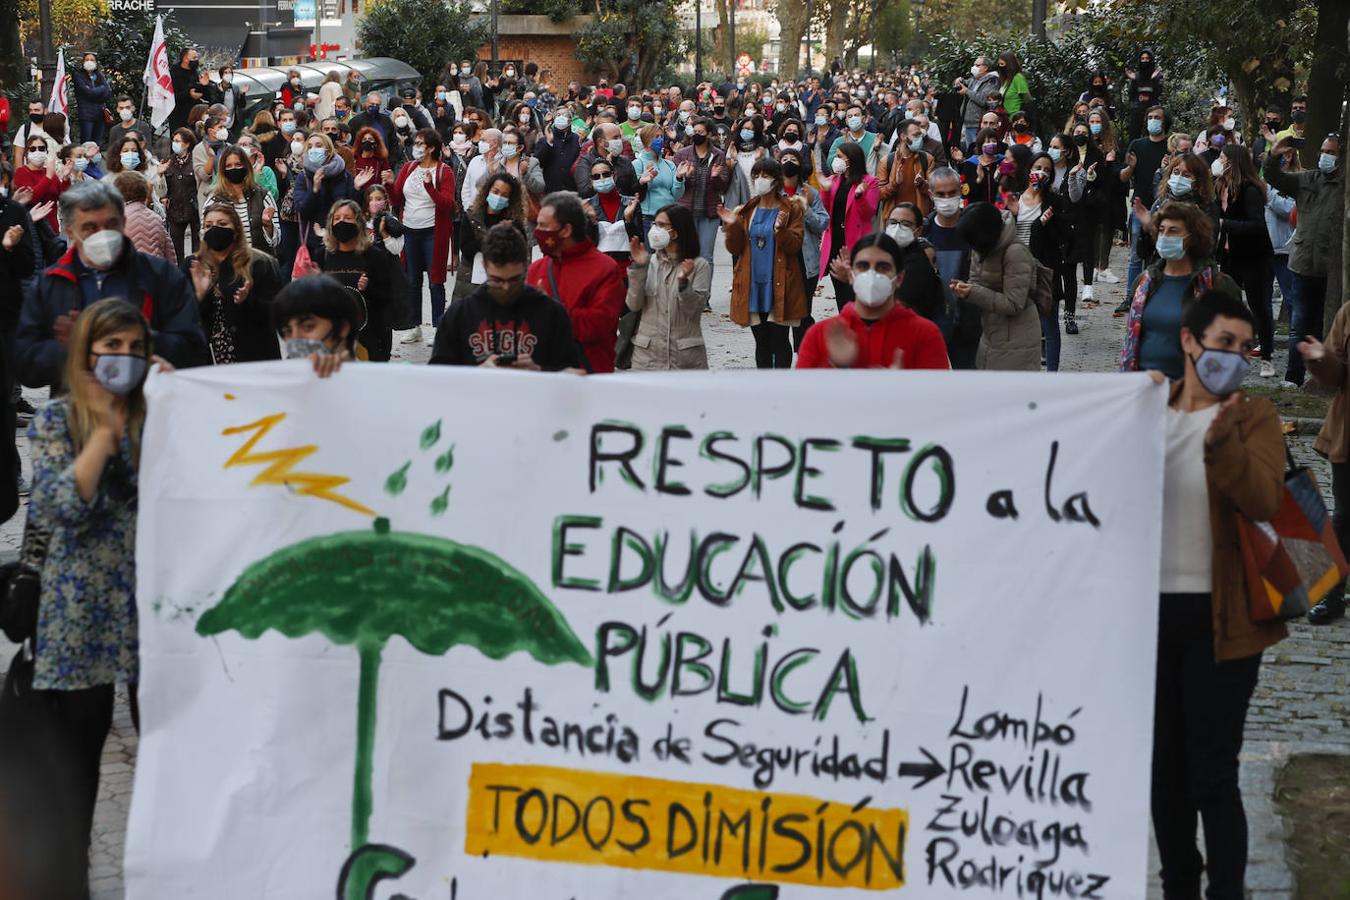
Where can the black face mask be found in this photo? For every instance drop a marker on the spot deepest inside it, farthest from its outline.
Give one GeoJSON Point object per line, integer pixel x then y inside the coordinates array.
{"type": "Point", "coordinates": [235, 176]}
{"type": "Point", "coordinates": [699, 139]}
{"type": "Point", "coordinates": [1080, 140]}
{"type": "Point", "coordinates": [1021, 127]}
{"type": "Point", "coordinates": [368, 145]}
{"type": "Point", "coordinates": [194, 64]}
{"type": "Point", "coordinates": [1272, 123]}
{"type": "Point", "coordinates": [791, 137]}
{"type": "Point", "coordinates": [345, 231]}
{"type": "Point", "coordinates": [218, 237]}
{"type": "Point", "coordinates": [791, 170]}
{"type": "Point", "coordinates": [36, 118]}
{"type": "Point", "coordinates": [1297, 116]}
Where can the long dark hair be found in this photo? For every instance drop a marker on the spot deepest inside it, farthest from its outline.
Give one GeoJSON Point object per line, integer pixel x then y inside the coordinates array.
{"type": "Point", "coordinates": [857, 163]}
{"type": "Point", "coordinates": [686, 234]}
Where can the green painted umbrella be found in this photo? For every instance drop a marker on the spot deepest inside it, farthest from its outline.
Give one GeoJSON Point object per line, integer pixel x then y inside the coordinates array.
{"type": "Point", "coordinates": [364, 587]}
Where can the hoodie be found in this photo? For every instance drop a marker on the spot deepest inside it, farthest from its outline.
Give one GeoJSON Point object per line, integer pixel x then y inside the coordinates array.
{"type": "Point", "coordinates": [900, 329]}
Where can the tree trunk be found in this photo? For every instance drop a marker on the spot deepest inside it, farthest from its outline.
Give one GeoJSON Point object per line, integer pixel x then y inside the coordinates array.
{"type": "Point", "coordinates": [834, 33]}
{"type": "Point", "coordinates": [724, 40]}
{"type": "Point", "coordinates": [1324, 98]}
{"type": "Point", "coordinates": [792, 25]}
{"type": "Point", "coordinates": [1325, 116]}
{"type": "Point", "coordinates": [12, 65]}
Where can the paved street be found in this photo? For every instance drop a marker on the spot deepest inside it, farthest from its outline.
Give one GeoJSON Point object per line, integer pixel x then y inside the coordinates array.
{"type": "Point", "coordinates": [1301, 705]}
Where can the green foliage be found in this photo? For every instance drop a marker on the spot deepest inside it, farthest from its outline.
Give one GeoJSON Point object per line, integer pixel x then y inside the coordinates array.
{"type": "Point", "coordinates": [895, 29]}
{"type": "Point", "coordinates": [556, 10]}
{"type": "Point", "coordinates": [123, 44]}
{"type": "Point", "coordinates": [751, 38]}
{"type": "Point", "coordinates": [994, 20]}
{"type": "Point", "coordinates": [632, 40]}
{"type": "Point", "coordinates": [422, 33]}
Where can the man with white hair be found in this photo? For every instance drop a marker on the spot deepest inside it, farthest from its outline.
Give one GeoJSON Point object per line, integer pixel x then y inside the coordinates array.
{"type": "Point", "coordinates": [485, 163]}
{"type": "Point", "coordinates": [102, 263]}
{"type": "Point", "coordinates": [607, 144]}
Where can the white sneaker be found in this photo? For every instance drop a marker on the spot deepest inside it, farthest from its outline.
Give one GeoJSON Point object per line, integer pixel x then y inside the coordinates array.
{"type": "Point", "coordinates": [1267, 369]}
{"type": "Point", "coordinates": [1087, 292]}
{"type": "Point", "coordinates": [1288, 386]}
{"type": "Point", "coordinates": [1108, 276]}
{"type": "Point", "coordinates": [413, 336]}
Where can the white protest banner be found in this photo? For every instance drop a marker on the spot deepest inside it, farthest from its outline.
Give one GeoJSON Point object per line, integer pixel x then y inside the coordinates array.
{"type": "Point", "coordinates": [453, 633]}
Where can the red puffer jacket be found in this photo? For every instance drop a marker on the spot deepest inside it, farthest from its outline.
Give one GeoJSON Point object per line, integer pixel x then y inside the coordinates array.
{"type": "Point", "coordinates": [591, 287]}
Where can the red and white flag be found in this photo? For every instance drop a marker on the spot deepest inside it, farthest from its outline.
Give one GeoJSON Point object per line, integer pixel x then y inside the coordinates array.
{"type": "Point", "coordinates": [58, 103]}
{"type": "Point", "coordinates": [158, 83]}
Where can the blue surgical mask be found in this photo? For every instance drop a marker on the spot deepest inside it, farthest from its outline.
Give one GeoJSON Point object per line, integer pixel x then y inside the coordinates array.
{"type": "Point", "coordinates": [1155, 126]}
{"type": "Point", "coordinates": [316, 155]}
{"type": "Point", "coordinates": [1326, 162]}
{"type": "Point", "coordinates": [442, 95]}
{"type": "Point", "coordinates": [1220, 371]}
{"type": "Point", "coordinates": [855, 123]}
{"type": "Point", "coordinates": [821, 120]}
{"type": "Point", "coordinates": [1170, 246]}
{"type": "Point", "coordinates": [604, 185]}
{"type": "Point", "coordinates": [287, 127]}
{"type": "Point", "coordinates": [497, 202]}
{"type": "Point", "coordinates": [747, 134]}
{"type": "Point", "coordinates": [177, 147]}
{"type": "Point", "coordinates": [418, 152]}
{"type": "Point", "coordinates": [1055, 154]}
{"type": "Point", "coordinates": [916, 143]}
{"type": "Point", "coordinates": [81, 164]}
{"type": "Point", "coordinates": [130, 160]}
{"type": "Point", "coordinates": [1179, 185]}
{"type": "Point", "coordinates": [1095, 127]}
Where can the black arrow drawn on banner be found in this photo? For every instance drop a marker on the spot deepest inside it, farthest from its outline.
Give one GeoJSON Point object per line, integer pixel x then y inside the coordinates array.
{"type": "Point", "coordinates": [926, 770]}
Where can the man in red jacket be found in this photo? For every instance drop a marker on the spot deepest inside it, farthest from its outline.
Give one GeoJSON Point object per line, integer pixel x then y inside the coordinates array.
{"type": "Point", "coordinates": [584, 280]}
{"type": "Point", "coordinates": [875, 331]}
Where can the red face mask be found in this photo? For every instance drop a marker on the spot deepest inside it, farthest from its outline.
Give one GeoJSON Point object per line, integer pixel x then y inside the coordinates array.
{"type": "Point", "coordinates": [550, 242]}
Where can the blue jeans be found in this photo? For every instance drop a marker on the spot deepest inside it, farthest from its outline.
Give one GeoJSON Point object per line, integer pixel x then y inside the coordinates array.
{"type": "Point", "coordinates": [1287, 281]}
{"type": "Point", "coordinates": [1050, 331]}
{"type": "Point", "coordinates": [1311, 297]}
{"type": "Point", "coordinates": [418, 251]}
{"type": "Point", "coordinates": [707, 235]}
{"type": "Point", "coordinates": [92, 130]}
{"type": "Point", "coordinates": [971, 132]}
{"type": "Point", "coordinates": [1136, 266]}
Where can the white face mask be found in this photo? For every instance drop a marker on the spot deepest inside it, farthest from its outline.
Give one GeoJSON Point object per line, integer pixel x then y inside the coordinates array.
{"type": "Point", "coordinates": [763, 186]}
{"type": "Point", "coordinates": [872, 288]}
{"type": "Point", "coordinates": [102, 248]}
{"type": "Point", "coordinates": [38, 158]}
{"type": "Point", "coordinates": [1216, 167]}
{"type": "Point", "coordinates": [975, 70]}
{"type": "Point", "coordinates": [484, 147]}
{"type": "Point", "coordinates": [124, 115]}
{"type": "Point", "coordinates": [297, 148]}
{"type": "Point", "coordinates": [90, 65]}
{"type": "Point", "coordinates": [658, 238]}
{"type": "Point", "coordinates": [222, 134]}
{"type": "Point", "coordinates": [947, 206]}
{"type": "Point", "coordinates": [839, 165]}
{"type": "Point", "coordinates": [1228, 123]}
{"type": "Point", "coordinates": [902, 234]}
{"type": "Point", "coordinates": [616, 147]}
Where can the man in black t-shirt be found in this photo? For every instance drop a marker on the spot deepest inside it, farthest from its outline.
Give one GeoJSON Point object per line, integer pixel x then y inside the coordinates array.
{"type": "Point", "coordinates": [1142, 159]}
{"type": "Point", "coordinates": [505, 323]}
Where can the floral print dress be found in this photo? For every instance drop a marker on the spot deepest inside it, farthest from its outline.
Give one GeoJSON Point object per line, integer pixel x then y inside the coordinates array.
{"type": "Point", "coordinates": [86, 634]}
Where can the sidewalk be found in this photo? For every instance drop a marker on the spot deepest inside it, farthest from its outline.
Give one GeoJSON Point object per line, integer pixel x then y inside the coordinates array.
{"type": "Point", "coordinates": [1301, 705]}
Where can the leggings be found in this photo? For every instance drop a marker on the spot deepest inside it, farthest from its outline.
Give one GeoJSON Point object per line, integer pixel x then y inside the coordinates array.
{"type": "Point", "coordinates": [176, 231]}
{"type": "Point", "coordinates": [843, 293]}
{"type": "Point", "coordinates": [1066, 286]}
{"type": "Point", "coordinates": [1255, 276]}
{"type": "Point", "coordinates": [773, 347]}
{"type": "Point", "coordinates": [799, 333]}
{"type": "Point", "coordinates": [1106, 231]}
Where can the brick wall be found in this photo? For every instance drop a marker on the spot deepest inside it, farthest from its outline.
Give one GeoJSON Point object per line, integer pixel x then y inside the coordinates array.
{"type": "Point", "coordinates": [554, 54]}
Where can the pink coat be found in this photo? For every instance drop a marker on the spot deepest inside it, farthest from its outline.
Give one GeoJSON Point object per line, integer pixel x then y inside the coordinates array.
{"type": "Point", "coordinates": [858, 213]}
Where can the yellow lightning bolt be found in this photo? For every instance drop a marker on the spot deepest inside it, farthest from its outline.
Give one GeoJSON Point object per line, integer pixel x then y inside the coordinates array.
{"type": "Point", "coordinates": [281, 466]}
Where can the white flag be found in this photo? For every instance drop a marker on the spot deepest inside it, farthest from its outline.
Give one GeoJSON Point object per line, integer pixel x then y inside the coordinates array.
{"type": "Point", "coordinates": [158, 84]}
{"type": "Point", "coordinates": [58, 103]}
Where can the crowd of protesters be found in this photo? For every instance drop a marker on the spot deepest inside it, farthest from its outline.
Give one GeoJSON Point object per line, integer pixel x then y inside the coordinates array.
{"type": "Point", "coordinates": [576, 227]}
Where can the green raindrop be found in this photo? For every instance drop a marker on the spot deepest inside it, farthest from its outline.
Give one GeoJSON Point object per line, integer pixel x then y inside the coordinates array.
{"type": "Point", "coordinates": [431, 434]}
{"type": "Point", "coordinates": [445, 460]}
{"type": "Point", "coordinates": [397, 482]}
{"type": "Point", "coordinates": [440, 504]}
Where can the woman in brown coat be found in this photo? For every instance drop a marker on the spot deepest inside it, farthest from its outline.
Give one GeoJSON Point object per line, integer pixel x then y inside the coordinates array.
{"type": "Point", "coordinates": [768, 289]}
{"type": "Point", "coordinates": [1224, 461]}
